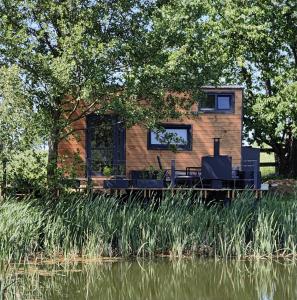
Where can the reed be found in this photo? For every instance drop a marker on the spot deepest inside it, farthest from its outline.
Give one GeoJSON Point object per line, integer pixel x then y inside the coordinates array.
{"type": "Point", "coordinates": [178, 225]}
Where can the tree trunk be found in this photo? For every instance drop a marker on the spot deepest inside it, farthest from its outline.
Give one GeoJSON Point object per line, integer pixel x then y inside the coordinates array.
{"type": "Point", "coordinates": [53, 144]}
{"type": "Point", "coordinates": [293, 159]}
{"type": "Point", "coordinates": [287, 161]}
{"type": "Point", "coordinates": [52, 162]}
{"type": "Point", "coordinates": [282, 165]}
{"type": "Point", "coordinates": [4, 178]}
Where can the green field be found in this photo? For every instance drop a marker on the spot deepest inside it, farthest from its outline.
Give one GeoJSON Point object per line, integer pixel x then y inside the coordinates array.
{"type": "Point", "coordinates": [265, 157]}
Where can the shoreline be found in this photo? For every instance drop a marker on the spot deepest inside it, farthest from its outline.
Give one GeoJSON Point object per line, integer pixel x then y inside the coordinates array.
{"type": "Point", "coordinates": [106, 259]}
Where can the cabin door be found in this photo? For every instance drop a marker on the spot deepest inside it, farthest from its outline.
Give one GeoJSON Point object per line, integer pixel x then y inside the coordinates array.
{"type": "Point", "coordinates": [105, 145]}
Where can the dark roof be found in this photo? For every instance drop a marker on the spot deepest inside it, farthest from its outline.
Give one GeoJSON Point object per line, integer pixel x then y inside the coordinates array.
{"type": "Point", "coordinates": [222, 87]}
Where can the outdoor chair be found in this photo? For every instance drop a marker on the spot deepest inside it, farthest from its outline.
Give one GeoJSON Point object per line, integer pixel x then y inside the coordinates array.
{"type": "Point", "coordinates": [190, 177]}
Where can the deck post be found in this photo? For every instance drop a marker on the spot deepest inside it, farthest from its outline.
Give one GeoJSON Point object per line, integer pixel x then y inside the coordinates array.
{"type": "Point", "coordinates": [233, 194]}
{"type": "Point", "coordinates": [255, 171]}
{"type": "Point", "coordinates": [257, 195]}
{"type": "Point", "coordinates": [89, 184]}
{"type": "Point", "coordinates": [172, 177]}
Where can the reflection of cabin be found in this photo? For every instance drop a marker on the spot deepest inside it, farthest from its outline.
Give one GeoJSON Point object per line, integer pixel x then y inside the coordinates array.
{"type": "Point", "coordinates": [102, 141]}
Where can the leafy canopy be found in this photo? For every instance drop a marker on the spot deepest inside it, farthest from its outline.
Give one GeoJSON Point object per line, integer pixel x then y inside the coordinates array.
{"type": "Point", "coordinates": [260, 38]}
{"type": "Point", "coordinates": [112, 53]}
{"type": "Point", "coordinates": [17, 117]}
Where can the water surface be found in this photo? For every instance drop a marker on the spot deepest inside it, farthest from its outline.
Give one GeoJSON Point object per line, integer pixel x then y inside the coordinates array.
{"type": "Point", "coordinates": [156, 279]}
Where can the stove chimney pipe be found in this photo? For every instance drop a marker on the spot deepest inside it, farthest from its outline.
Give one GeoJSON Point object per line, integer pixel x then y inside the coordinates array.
{"type": "Point", "coordinates": [216, 147]}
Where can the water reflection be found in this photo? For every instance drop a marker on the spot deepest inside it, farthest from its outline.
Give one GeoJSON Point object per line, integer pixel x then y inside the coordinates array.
{"type": "Point", "coordinates": [157, 279]}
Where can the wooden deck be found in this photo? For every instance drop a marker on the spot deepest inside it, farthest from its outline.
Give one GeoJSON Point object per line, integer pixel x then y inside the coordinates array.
{"type": "Point", "coordinates": [203, 192]}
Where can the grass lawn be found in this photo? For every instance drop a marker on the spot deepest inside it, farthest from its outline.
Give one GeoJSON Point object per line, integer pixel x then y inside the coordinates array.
{"type": "Point", "coordinates": [265, 157]}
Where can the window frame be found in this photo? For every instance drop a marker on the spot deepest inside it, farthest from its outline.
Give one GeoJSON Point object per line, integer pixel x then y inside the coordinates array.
{"type": "Point", "coordinates": [186, 147]}
{"type": "Point", "coordinates": [216, 109]}
{"type": "Point", "coordinates": [119, 140]}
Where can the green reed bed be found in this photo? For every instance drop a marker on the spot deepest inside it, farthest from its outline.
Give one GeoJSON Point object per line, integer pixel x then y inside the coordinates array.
{"type": "Point", "coordinates": [178, 225]}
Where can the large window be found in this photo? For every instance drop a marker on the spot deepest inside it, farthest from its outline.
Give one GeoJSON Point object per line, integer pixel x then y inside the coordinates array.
{"type": "Point", "coordinates": [217, 103]}
{"type": "Point", "coordinates": [171, 137]}
{"type": "Point", "coordinates": [105, 145]}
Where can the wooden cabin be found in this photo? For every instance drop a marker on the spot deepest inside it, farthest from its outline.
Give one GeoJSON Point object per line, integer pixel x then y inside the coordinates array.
{"type": "Point", "coordinates": [101, 141]}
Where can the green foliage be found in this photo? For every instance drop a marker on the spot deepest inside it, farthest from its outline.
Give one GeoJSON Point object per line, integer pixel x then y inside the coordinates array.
{"type": "Point", "coordinates": [27, 170]}
{"type": "Point", "coordinates": [90, 50]}
{"type": "Point", "coordinates": [180, 224]}
{"type": "Point", "coordinates": [107, 171]}
{"type": "Point", "coordinates": [17, 128]}
{"type": "Point", "coordinates": [154, 173]}
{"type": "Point", "coordinates": [259, 38]}
{"type": "Point", "coordinates": [105, 56]}
{"type": "Point", "coordinates": [277, 114]}
{"type": "Point", "coordinates": [70, 166]}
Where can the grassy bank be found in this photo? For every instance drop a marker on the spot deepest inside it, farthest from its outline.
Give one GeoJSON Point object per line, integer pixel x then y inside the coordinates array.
{"type": "Point", "coordinates": [180, 225]}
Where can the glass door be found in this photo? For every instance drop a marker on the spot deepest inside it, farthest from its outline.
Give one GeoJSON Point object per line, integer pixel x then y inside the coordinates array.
{"type": "Point", "coordinates": [105, 145]}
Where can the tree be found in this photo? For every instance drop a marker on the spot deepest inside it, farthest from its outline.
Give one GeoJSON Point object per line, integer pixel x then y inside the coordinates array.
{"type": "Point", "coordinates": [17, 132]}
{"type": "Point", "coordinates": [260, 39]}
{"type": "Point", "coordinates": [102, 56]}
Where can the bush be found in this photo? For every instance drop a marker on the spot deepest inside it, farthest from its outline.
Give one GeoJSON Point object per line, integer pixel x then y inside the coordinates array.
{"type": "Point", "coordinates": [27, 170]}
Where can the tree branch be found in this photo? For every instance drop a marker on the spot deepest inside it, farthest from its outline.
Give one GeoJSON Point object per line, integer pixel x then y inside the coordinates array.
{"type": "Point", "coordinates": [74, 109]}
{"type": "Point", "coordinates": [268, 87]}
{"type": "Point", "coordinates": [83, 114]}
{"type": "Point", "coordinates": [65, 135]}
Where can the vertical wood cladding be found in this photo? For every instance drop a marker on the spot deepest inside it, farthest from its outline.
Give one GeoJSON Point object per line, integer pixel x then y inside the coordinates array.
{"type": "Point", "coordinates": [72, 150]}
{"type": "Point", "coordinates": [205, 126]}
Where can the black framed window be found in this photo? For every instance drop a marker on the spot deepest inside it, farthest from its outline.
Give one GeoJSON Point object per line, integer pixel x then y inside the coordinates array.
{"type": "Point", "coordinates": [105, 145]}
{"type": "Point", "coordinates": [217, 103]}
{"type": "Point", "coordinates": [171, 137]}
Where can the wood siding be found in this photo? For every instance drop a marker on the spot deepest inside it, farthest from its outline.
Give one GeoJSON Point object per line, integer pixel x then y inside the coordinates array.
{"type": "Point", "coordinates": [72, 150]}
{"type": "Point", "coordinates": [205, 126]}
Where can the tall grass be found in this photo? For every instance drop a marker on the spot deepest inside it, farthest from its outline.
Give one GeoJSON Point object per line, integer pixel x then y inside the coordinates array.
{"type": "Point", "coordinates": [178, 225]}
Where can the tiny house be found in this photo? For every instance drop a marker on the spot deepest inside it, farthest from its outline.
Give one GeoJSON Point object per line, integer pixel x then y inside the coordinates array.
{"type": "Point", "coordinates": [102, 142]}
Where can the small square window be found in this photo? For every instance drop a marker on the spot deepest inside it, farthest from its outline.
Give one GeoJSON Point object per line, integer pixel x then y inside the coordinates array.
{"type": "Point", "coordinates": [224, 102]}
{"type": "Point", "coordinates": [208, 103]}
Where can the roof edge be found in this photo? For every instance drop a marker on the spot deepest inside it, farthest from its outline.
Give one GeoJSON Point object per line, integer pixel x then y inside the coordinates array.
{"type": "Point", "coordinates": [239, 87]}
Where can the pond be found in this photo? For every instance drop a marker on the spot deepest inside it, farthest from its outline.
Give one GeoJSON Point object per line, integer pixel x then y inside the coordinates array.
{"type": "Point", "coordinates": [154, 279]}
